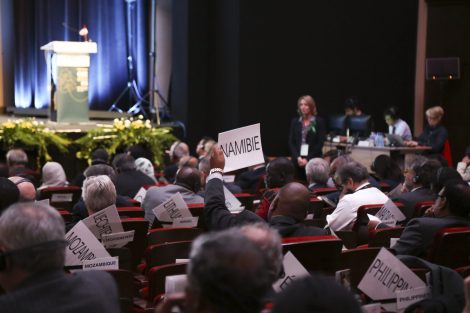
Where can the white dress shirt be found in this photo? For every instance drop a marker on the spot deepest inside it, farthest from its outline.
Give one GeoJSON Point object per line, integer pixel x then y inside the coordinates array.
{"type": "Point", "coordinates": [345, 214]}
{"type": "Point", "coordinates": [401, 129]}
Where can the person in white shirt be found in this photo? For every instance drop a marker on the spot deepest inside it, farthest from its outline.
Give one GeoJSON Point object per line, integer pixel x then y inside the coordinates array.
{"type": "Point", "coordinates": [353, 177]}
{"type": "Point", "coordinates": [397, 126]}
{"type": "Point", "coordinates": [463, 166]}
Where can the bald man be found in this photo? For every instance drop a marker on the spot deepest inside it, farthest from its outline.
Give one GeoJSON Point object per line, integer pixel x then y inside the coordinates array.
{"type": "Point", "coordinates": [289, 209]}
{"type": "Point", "coordinates": [187, 183]}
{"type": "Point", "coordinates": [26, 188]}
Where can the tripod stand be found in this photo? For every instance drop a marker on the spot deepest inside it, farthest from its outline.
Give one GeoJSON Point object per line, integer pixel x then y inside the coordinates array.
{"type": "Point", "coordinates": [132, 90]}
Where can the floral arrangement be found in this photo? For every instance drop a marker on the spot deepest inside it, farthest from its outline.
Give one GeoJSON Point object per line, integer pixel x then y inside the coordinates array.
{"type": "Point", "coordinates": [124, 133]}
{"type": "Point", "coordinates": [30, 132]}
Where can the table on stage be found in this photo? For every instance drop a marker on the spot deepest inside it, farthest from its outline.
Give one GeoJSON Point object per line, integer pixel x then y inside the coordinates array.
{"type": "Point", "coordinates": [366, 155]}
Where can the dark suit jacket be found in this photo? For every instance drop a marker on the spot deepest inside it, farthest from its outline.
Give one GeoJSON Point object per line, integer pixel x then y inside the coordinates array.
{"type": "Point", "coordinates": [58, 292]}
{"type": "Point", "coordinates": [248, 181]}
{"type": "Point", "coordinates": [409, 199]}
{"type": "Point", "coordinates": [419, 234]}
{"type": "Point", "coordinates": [288, 227]}
{"type": "Point", "coordinates": [434, 137]}
{"type": "Point", "coordinates": [128, 183]}
{"type": "Point", "coordinates": [314, 140]}
{"type": "Point", "coordinates": [217, 215]}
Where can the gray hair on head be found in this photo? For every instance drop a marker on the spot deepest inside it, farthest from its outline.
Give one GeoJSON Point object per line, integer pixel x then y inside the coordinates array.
{"type": "Point", "coordinates": [30, 224]}
{"type": "Point", "coordinates": [317, 170]}
{"type": "Point", "coordinates": [16, 156]}
{"type": "Point", "coordinates": [98, 193]}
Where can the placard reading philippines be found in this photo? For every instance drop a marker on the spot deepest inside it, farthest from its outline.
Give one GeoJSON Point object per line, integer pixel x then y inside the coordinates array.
{"type": "Point", "coordinates": [242, 147]}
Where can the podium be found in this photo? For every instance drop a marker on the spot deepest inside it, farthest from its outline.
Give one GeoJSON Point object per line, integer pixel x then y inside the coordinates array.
{"type": "Point", "coordinates": [67, 67]}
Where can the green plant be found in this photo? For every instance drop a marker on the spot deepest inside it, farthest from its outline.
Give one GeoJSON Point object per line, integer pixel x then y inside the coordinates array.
{"type": "Point", "coordinates": [124, 133]}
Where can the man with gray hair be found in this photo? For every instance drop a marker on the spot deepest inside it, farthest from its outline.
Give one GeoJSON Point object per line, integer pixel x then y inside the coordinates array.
{"type": "Point", "coordinates": [318, 173]}
{"type": "Point", "coordinates": [98, 193]}
{"type": "Point", "coordinates": [26, 188]}
{"type": "Point", "coordinates": [17, 161]}
{"type": "Point", "coordinates": [31, 267]}
{"type": "Point", "coordinates": [177, 151]}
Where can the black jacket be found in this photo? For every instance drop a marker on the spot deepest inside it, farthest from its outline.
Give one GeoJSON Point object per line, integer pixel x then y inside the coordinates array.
{"type": "Point", "coordinates": [288, 227]}
{"type": "Point", "coordinates": [314, 140]}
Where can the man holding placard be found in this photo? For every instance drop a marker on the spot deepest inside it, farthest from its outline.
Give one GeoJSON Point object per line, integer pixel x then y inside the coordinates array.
{"type": "Point", "coordinates": [31, 267]}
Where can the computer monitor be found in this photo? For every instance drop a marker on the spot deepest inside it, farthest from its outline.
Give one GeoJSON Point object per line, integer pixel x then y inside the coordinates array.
{"type": "Point", "coordinates": [360, 125]}
{"type": "Point", "coordinates": [337, 124]}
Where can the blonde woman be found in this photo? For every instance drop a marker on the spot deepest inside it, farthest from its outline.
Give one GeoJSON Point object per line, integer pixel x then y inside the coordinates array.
{"type": "Point", "coordinates": [434, 135]}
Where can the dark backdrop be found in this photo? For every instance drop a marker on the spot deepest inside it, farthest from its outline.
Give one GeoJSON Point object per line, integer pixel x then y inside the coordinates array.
{"type": "Point", "coordinates": [238, 62]}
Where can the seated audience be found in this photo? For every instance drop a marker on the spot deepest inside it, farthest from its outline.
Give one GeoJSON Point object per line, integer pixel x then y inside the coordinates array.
{"type": "Point", "coordinates": [53, 175]}
{"type": "Point", "coordinates": [9, 193]}
{"type": "Point", "coordinates": [316, 293]}
{"type": "Point", "coordinates": [98, 156]}
{"type": "Point", "coordinates": [204, 147]}
{"type": "Point", "coordinates": [462, 166]}
{"type": "Point", "coordinates": [387, 170]}
{"type": "Point", "coordinates": [289, 209]}
{"type": "Point", "coordinates": [452, 210]}
{"type": "Point", "coordinates": [146, 167]}
{"type": "Point", "coordinates": [279, 172]}
{"type": "Point", "coordinates": [331, 155]}
{"type": "Point", "coordinates": [98, 193]}
{"type": "Point", "coordinates": [317, 171]}
{"type": "Point", "coordinates": [188, 161]}
{"type": "Point", "coordinates": [177, 150]}
{"type": "Point", "coordinates": [397, 126]}
{"type": "Point", "coordinates": [32, 246]}
{"type": "Point", "coordinates": [417, 186]}
{"type": "Point", "coordinates": [129, 180]}
{"type": "Point", "coordinates": [26, 188]}
{"type": "Point", "coordinates": [434, 134]}
{"type": "Point", "coordinates": [204, 167]}
{"type": "Point", "coordinates": [79, 210]}
{"type": "Point", "coordinates": [17, 162]}
{"type": "Point", "coordinates": [353, 107]}
{"type": "Point", "coordinates": [357, 191]}
{"type": "Point", "coordinates": [187, 183]}
{"type": "Point", "coordinates": [249, 180]}
{"type": "Point", "coordinates": [140, 151]}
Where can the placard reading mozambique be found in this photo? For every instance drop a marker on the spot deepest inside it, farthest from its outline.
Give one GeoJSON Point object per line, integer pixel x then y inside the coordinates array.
{"type": "Point", "coordinates": [242, 147]}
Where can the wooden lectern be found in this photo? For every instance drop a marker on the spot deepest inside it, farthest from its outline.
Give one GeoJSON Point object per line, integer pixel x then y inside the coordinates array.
{"type": "Point", "coordinates": [67, 67]}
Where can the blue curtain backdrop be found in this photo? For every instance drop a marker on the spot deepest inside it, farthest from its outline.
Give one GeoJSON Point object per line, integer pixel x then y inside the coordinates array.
{"type": "Point", "coordinates": [38, 22]}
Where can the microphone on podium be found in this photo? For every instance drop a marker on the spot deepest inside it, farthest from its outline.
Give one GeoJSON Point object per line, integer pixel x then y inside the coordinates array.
{"type": "Point", "coordinates": [83, 32]}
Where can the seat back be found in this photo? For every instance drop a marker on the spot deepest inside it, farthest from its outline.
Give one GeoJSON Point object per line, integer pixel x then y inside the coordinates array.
{"type": "Point", "coordinates": [157, 276]}
{"type": "Point", "coordinates": [451, 247]}
{"type": "Point", "coordinates": [61, 197]}
{"type": "Point", "coordinates": [164, 235]}
{"type": "Point", "coordinates": [167, 253]}
{"type": "Point", "coordinates": [358, 261]}
{"type": "Point", "coordinates": [324, 191]}
{"type": "Point", "coordinates": [131, 212]}
{"type": "Point", "coordinates": [315, 253]}
{"type": "Point", "coordinates": [66, 216]}
{"type": "Point", "coordinates": [197, 209]}
{"type": "Point", "coordinates": [137, 246]}
{"type": "Point", "coordinates": [246, 199]}
{"type": "Point", "coordinates": [421, 207]}
{"type": "Point", "coordinates": [126, 288]}
{"type": "Point", "coordinates": [381, 237]}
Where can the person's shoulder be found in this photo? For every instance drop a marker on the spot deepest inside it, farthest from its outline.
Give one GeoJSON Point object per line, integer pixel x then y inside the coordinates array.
{"type": "Point", "coordinates": [95, 278]}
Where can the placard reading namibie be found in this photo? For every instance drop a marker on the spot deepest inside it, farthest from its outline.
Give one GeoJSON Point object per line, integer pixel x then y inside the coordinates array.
{"type": "Point", "coordinates": [82, 245]}
{"type": "Point", "coordinates": [242, 147]}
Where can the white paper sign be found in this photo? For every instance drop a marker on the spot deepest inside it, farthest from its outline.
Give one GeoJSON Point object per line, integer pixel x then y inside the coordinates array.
{"type": "Point", "coordinates": [140, 195]}
{"type": "Point", "coordinates": [393, 242]}
{"type": "Point", "coordinates": [406, 298]}
{"type": "Point", "coordinates": [61, 197]}
{"type": "Point", "coordinates": [117, 240]}
{"type": "Point", "coordinates": [231, 202]}
{"type": "Point", "coordinates": [228, 178]}
{"type": "Point", "coordinates": [175, 207]}
{"type": "Point", "coordinates": [101, 264]}
{"type": "Point", "coordinates": [292, 270]}
{"type": "Point", "coordinates": [387, 275]}
{"type": "Point", "coordinates": [82, 245]}
{"type": "Point", "coordinates": [175, 283]}
{"type": "Point", "coordinates": [390, 211]}
{"type": "Point", "coordinates": [371, 308]}
{"type": "Point", "coordinates": [43, 201]}
{"type": "Point", "coordinates": [106, 221]}
{"type": "Point", "coordinates": [241, 147]}
{"type": "Point", "coordinates": [185, 221]}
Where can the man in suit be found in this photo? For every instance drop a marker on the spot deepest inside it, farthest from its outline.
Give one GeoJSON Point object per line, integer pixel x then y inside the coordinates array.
{"type": "Point", "coordinates": [31, 267]}
{"type": "Point", "coordinates": [451, 210]}
{"type": "Point", "coordinates": [187, 183]}
{"type": "Point", "coordinates": [418, 184]}
{"type": "Point", "coordinates": [129, 180]}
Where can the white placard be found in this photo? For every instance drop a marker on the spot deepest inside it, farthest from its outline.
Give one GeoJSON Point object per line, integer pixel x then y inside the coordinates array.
{"type": "Point", "coordinates": [101, 264]}
{"type": "Point", "coordinates": [179, 261]}
{"type": "Point", "coordinates": [174, 207]}
{"type": "Point", "coordinates": [231, 202]}
{"type": "Point", "coordinates": [82, 245]}
{"type": "Point", "coordinates": [228, 178]}
{"type": "Point", "coordinates": [387, 275]}
{"type": "Point", "coordinates": [140, 195]}
{"type": "Point", "coordinates": [390, 211]}
{"type": "Point", "coordinates": [185, 221]}
{"type": "Point", "coordinates": [43, 201]}
{"type": "Point", "coordinates": [117, 240]}
{"type": "Point", "coordinates": [175, 283]}
{"type": "Point", "coordinates": [61, 197]}
{"type": "Point", "coordinates": [406, 298]}
{"type": "Point", "coordinates": [371, 308]}
{"type": "Point", "coordinates": [292, 270]}
{"type": "Point", "coordinates": [393, 242]}
{"type": "Point", "coordinates": [241, 147]}
{"type": "Point", "coordinates": [106, 221]}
